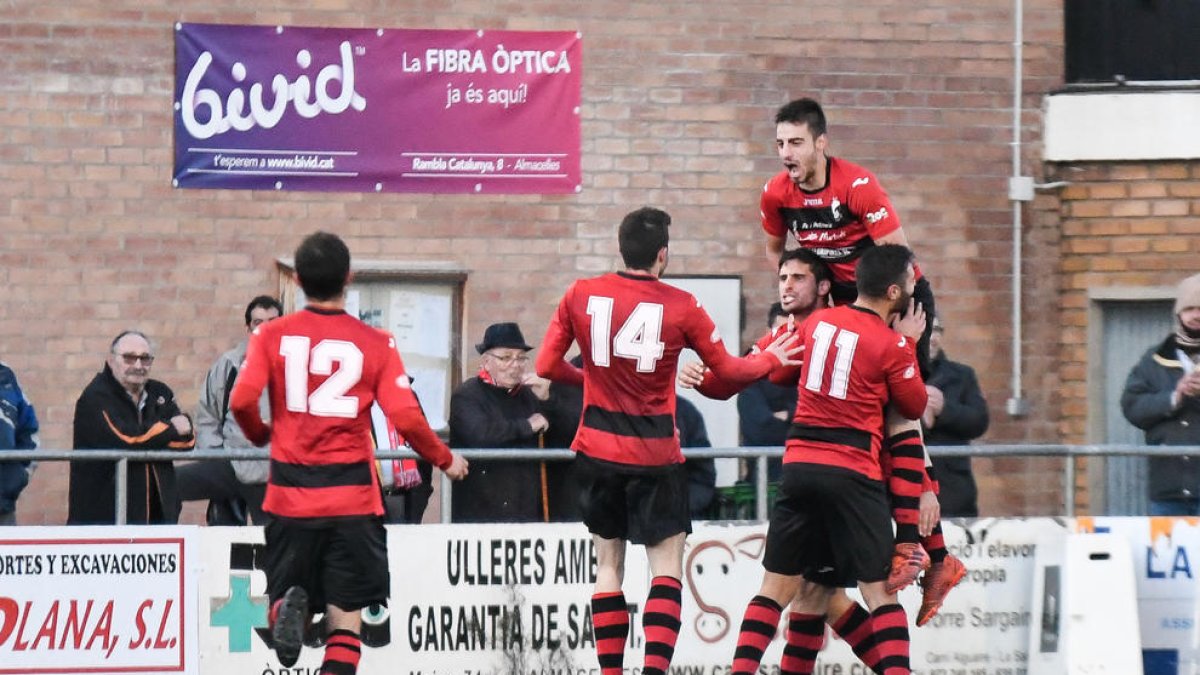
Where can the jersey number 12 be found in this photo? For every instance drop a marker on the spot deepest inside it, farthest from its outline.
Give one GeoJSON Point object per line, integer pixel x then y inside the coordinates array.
{"type": "Point", "coordinates": [329, 399]}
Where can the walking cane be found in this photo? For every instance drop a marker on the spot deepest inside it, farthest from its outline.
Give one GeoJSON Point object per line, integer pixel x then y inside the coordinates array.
{"type": "Point", "coordinates": [545, 483]}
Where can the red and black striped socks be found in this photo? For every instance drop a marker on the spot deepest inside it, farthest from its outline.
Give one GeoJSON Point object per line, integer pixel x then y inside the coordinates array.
{"type": "Point", "coordinates": [610, 619]}
{"type": "Point", "coordinates": [905, 483]}
{"type": "Point", "coordinates": [854, 627]}
{"type": "Point", "coordinates": [805, 635]}
{"type": "Point", "coordinates": [890, 628]}
{"type": "Point", "coordinates": [757, 631]}
{"type": "Point", "coordinates": [343, 649]}
{"type": "Point", "coordinates": [935, 545]}
{"type": "Point", "coordinates": [661, 623]}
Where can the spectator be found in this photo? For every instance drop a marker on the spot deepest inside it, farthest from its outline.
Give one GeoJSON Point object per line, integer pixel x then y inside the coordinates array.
{"type": "Point", "coordinates": [18, 431]}
{"type": "Point", "coordinates": [765, 408]}
{"type": "Point", "coordinates": [504, 406]}
{"type": "Point", "coordinates": [234, 488]}
{"type": "Point", "coordinates": [955, 415]}
{"type": "Point", "coordinates": [122, 408]}
{"type": "Point", "coordinates": [1162, 398]}
{"type": "Point", "coordinates": [702, 472]}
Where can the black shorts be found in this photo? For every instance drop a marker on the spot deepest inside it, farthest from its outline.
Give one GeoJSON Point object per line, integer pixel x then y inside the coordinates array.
{"type": "Point", "coordinates": [843, 293]}
{"type": "Point", "coordinates": [338, 561]}
{"type": "Point", "coordinates": [640, 504]}
{"type": "Point", "coordinates": [831, 525]}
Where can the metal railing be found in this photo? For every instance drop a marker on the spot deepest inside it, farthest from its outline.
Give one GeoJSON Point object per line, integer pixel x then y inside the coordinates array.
{"type": "Point", "coordinates": [1070, 452]}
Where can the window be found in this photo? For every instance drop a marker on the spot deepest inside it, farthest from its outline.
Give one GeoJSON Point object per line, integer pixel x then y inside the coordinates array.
{"type": "Point", "coordinates": [1142, 41]}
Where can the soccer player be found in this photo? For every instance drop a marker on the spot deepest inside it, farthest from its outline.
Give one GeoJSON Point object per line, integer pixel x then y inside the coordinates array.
{"type": "Point", "coordinates": [838, 210]}
{"type": "Point", "coordinates": [630, 328]}
{"type": "Point", "coordinates": [326, 547]}
{"type": "Point", "coordinates": [832, 525]}
{"type": "Point", "coordinates": [804, 281]}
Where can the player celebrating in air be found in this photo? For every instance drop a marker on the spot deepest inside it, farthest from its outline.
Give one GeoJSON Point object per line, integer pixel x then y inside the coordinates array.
{"type": "Point", "coordinates": [832, 525]}
{"type": "Point", "coordinates": [326, 547]}
{"type": "Point", "coordinates": [631, 328]}
{"type": "Point", "coordinates": [838, 210]}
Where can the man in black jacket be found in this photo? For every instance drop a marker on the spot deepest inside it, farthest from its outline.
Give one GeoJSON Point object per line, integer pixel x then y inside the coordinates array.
{"type": "Point", "coordinates": [955, 415]}
{"type": "Point", "coordinates": [122, 408]}
{"type": "Point", "coordinates": [1162, 398]}
{"type": "Point", "coordinates": [504, 406]}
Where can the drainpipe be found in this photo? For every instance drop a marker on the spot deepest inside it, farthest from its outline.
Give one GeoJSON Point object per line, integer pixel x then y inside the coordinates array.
{"type": "Point", "coordinates": [1020, 190]}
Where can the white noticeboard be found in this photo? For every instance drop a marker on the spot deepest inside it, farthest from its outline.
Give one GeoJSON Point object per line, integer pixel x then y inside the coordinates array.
{"type": "Point", "coordinates": [722, 299]}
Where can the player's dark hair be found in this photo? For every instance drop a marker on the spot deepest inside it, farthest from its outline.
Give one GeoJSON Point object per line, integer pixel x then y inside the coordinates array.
{"type": "Point", "coordinates": [774, 312]}
{"type": "Point", "coordinates": [880, 267]}
{"type": "Point", "coordinates": [803, 111]}
{"type": "Point", "coordinates": [642, 235]}
{"type": "Point", "coordinates": [819, 269]}
{"type": "Point", "coordinates": [263, 302]}
{"type": "Point", "coordinates": [322, 263]}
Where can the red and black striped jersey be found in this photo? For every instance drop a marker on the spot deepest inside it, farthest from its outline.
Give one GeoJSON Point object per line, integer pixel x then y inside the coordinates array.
{"type": "Point", "coordinates": [837, 222]}
{"type": "Point", "coordinates": [631, 329]}
{"type": "Point", "coordinates": [854, 366]}
{"type": "Point", "coordinates": [323, 370]}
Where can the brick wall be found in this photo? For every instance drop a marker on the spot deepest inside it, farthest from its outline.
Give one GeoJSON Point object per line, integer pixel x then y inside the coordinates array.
{"type": "Point", "coordinates": [1126, 224]}
{"type": "Point", "coordinates": [678, 98]}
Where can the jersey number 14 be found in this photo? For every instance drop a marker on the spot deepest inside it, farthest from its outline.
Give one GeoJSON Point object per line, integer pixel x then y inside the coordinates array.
{"type": "Point", "coordinates": [639, 338]}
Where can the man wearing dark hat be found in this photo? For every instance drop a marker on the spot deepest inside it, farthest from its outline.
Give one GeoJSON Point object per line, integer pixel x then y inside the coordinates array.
{"type": "Point", "coordinates": [1162, 398]}
{"type": "Point", "coordinates": [504, 406]}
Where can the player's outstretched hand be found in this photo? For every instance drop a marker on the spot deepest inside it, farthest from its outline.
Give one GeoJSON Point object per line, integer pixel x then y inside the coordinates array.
{"type": "Point", "coordinates": [787, 348]}
{"type": "Point", "coordinates": [930, 514]}
{"type": "Point", "coordinates": [458, 467]}
{"type": "Point", "coordinates": [912, 324]}
{"type": "Point", "coordinates": [691, 374]}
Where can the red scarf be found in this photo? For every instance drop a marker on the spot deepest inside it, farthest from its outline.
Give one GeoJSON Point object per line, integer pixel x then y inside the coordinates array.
{"type": "Point", "coordinates": [487, 378]}
{"type": "Point", "coordinates": [405, 475]}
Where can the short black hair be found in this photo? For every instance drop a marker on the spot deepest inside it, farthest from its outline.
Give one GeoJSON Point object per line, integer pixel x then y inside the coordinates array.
{"type": "Point", "coordinates": [322, 263]}
{"type": "Point", "coordinates": [774, 312]}
{"type": "Point", "coordinates": [818, 267]}
{"type": "Point", "coordinates": [642, 235]}
{"type": "Point", "coordinates": [263, 302]}
{"type": "Point", "coordinates": [803, 111]}
{"type": "Point", "coordinates": [880, 267]}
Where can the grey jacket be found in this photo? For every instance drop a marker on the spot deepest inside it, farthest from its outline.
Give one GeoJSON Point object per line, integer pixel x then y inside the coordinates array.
{"type": "Point", "coordinates": [1146, 402]}
{"type": "Point", "coordinates": [216, 428]}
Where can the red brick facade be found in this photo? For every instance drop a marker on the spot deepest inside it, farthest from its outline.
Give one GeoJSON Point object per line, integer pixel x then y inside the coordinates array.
{"type": "Point", "coordinates": [678, 99]}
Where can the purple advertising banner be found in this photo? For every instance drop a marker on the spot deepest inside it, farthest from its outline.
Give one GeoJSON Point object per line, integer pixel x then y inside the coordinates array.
{"type": "Point", "coordinates": [377, 110]}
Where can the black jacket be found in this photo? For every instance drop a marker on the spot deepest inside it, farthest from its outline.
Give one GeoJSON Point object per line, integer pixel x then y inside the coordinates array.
{"type": "Point", "coordinates": [964, 418]}
{"type": "Point", "coordinates": [1146, 402]}
{"type": "Point", "coordinates": [106, 418]}
{"type": "Point", "coordinates": [486, 416]}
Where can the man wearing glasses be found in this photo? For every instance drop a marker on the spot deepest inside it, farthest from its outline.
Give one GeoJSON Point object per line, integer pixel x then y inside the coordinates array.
{"type": "Point", "coordinates": [504, 406]}
{"type": "Point", "coordinates": [122, 408]}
